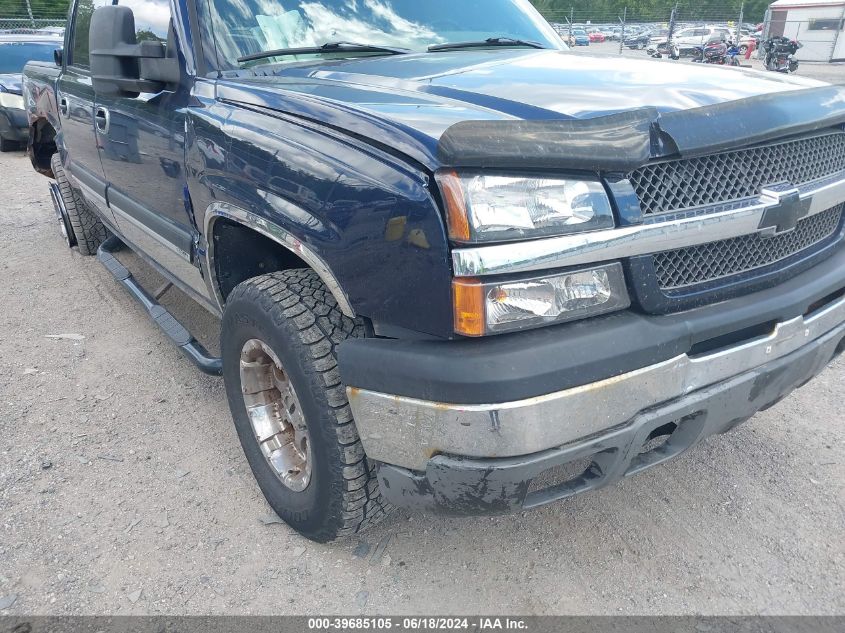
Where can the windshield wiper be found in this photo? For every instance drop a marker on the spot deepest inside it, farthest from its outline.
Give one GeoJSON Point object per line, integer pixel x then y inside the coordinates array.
{"type": "Point", "coordinates": [492, 41]}
{"type": "Point", "coordinates": [331, 47]}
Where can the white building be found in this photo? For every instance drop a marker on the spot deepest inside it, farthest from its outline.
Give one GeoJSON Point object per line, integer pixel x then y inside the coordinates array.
{"type": "Point", "coordinates": [817, 24]}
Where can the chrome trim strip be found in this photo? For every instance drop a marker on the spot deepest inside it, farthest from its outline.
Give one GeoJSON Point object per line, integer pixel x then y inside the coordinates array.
{"type": "Point", "coordinates": [708, 224]}
{"type": "Point", "coordinates": [407, 432]}
{"type": "Point", "coordinates": [277, 234]}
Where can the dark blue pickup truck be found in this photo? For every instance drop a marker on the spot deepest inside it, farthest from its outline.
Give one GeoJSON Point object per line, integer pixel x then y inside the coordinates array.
{"type": "Point", "coordinates": [458, 267]}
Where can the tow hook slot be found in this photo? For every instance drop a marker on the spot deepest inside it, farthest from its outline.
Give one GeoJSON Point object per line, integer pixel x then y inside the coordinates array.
{"type": "Point", "coordinates": [732, 339]}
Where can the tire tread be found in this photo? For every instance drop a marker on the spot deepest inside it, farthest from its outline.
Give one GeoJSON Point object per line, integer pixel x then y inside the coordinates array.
{"type": "Point", "coordinates": [300, 298]}
{"type": "Point", "coordinates": [90, 232]}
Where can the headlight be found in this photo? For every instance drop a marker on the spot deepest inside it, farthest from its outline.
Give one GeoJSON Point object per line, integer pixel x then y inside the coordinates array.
{"type": "Point", "coordinates": [9, 100]}
{"type": "Point", "coordinates": [493, 208]}
{"type": "Point", "coordinates": [488, 308]}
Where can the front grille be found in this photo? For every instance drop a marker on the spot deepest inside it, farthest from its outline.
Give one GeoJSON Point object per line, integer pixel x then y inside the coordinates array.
{"type": "Point", "coordinates": [717, 260]}
{"type": "Point", "coordinates": [695, 182]}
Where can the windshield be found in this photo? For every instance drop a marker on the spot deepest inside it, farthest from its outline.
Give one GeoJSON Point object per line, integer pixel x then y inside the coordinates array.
{"type": "Point", "coordinates": [244, 27]}
{"type": "Point", "coordinates": [14, 55]}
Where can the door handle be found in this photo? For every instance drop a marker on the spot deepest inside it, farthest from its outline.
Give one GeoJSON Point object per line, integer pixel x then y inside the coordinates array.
{"type": "Point", "coordinates": [63, 107]}
{"type": "Point", "coordinates": [101, 120]}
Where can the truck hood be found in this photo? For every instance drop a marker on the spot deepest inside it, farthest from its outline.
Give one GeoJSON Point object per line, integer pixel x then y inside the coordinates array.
{"type": "Point", "coordinates": [11, 82]}
{"type": "Point", "coordinates": [424, 95]}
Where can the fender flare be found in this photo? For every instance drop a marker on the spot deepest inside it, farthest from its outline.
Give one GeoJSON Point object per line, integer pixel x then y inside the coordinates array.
{"type": "Point", "coordinates": [281, 236]}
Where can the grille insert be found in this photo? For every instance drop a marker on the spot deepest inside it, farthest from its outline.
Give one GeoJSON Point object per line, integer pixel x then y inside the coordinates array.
{"type": "Point", "coordinates": [695, 182]}
{"type": "Point", "coordinates": [717, 260]}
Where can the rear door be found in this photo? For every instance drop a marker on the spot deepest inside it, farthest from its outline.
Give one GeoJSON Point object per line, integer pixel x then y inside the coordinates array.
{"type": "Point", "coordinates": [142, 147]}
{"type": "Point", "coordinates": [75, 96]}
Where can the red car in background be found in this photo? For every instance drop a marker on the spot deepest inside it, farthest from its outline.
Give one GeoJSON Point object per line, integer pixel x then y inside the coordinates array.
{"type": "Point", "coordinates": [596, 37]}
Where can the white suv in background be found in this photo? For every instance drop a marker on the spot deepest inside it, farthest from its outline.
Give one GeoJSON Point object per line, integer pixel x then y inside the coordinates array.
{"type": "Point", "coordinates": [700, 35]}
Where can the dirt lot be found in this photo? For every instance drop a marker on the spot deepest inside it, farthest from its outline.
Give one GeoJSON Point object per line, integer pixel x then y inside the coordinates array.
{"type": "Point", "coordinates": [123, 489]}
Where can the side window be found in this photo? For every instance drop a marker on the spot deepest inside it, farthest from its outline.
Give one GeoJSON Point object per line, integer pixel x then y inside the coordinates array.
{"type": "Point", "coordinates": [81, 22]}
{"type": "Point", "coordinates": [152, 21]}
{"type": "Point", "coordinates": [825, 24]}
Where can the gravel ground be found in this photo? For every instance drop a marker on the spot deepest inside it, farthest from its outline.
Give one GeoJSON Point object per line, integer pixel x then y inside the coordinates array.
{"type": "Point", "coordinates": [124, 491]}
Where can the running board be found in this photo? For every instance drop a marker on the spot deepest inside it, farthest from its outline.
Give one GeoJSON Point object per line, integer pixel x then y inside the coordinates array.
{"type": "Point", "coordinates": [177, 333]}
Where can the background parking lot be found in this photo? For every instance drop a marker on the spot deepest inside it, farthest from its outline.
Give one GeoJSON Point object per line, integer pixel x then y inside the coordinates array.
{"type": "Point", "coordinates": [123, 488]}
{"type": "Point", "coordinates": [821, 71]}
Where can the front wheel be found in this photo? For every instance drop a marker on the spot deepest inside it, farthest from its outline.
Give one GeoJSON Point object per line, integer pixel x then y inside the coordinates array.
{"type": "Point", "coordinates": [280, 335]}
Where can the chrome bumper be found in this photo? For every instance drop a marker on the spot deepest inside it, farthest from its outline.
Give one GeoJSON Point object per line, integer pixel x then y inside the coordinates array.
{"type": "Point", "coordinates": [407, 432]}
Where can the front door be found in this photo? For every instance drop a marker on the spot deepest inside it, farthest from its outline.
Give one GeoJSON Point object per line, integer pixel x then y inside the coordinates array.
{"type": "Point", "coordinates": [75, 96]}
{"type": "Point", "coordinates": [142, 147]}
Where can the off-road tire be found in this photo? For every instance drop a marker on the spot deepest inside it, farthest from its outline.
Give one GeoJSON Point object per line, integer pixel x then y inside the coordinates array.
{"type": "Point", "coordinates": [89, 231]}
{"type": "Point", "coordinates": [299, 319]}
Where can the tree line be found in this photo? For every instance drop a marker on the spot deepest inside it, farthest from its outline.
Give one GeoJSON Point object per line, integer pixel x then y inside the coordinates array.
{"type": "Point", "coordinates": [41, 9]}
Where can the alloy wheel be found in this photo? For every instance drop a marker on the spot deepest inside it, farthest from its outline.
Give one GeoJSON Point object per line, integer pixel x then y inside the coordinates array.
{"type": "Point", "coordinates": [276, 415]}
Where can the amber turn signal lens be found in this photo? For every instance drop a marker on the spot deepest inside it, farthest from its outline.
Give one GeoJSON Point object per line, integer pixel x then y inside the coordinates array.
{"type": "Point", "coordinates": [456, 208]}
{"type": "Point", "coordinates": [468, 297]}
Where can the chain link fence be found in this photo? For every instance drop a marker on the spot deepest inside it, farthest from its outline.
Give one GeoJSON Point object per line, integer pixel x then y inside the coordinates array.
{"type": "Point", "coordinates": [30, 25]}
{"type": "Point", "coordinates": [28, 16]}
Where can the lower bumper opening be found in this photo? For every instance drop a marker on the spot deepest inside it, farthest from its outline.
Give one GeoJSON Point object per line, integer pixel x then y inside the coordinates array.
{"type": "Point", "coordinates": [653, 445]}
{"type": "Point", "coordinates": [564, 480]}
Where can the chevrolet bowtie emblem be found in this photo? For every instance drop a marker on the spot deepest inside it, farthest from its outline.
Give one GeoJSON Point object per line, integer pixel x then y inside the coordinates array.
{"type": "Point", "coordinates": [784, 213]}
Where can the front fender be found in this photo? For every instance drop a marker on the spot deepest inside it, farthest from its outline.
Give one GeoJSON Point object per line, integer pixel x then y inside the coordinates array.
{"type": "Point", "coordinates": [369, 218]}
